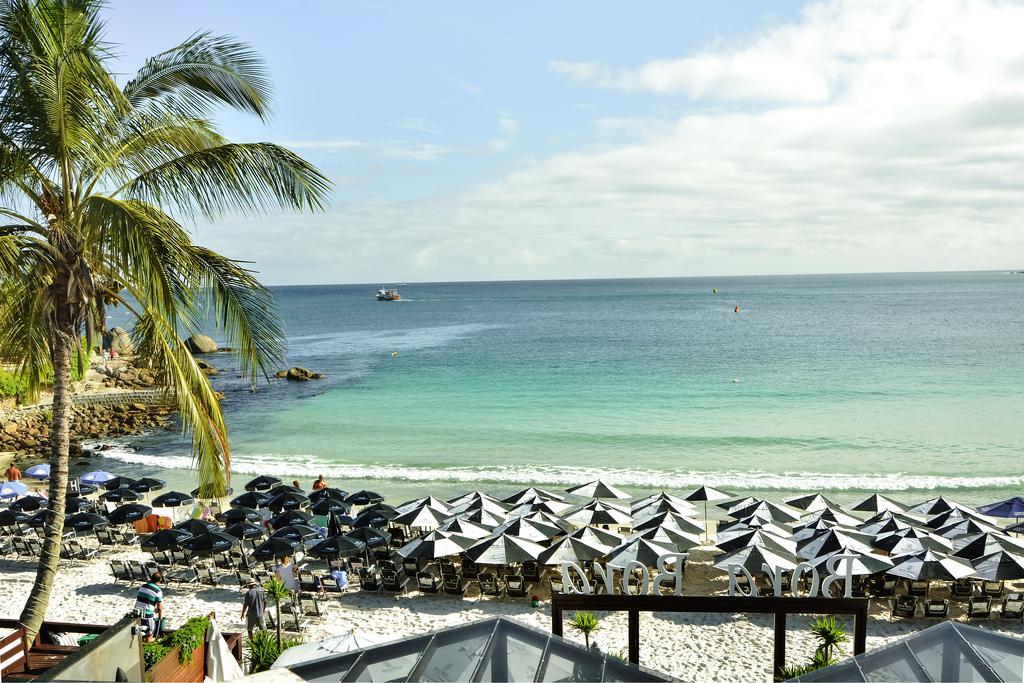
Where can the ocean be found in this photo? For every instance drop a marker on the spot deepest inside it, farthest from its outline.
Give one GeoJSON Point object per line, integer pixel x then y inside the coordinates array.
{"type": "Point", "coordinates": [903, 383]}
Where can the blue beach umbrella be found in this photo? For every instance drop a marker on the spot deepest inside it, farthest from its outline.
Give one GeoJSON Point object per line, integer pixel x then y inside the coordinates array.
{"type": "Point", "coordinates": [1011, 507]}
{"type": "Point", "coordinates": [40, 472]}
{"type": "Point", "coordinates": [12, 489]}
{"type": "Point", "coordinates": [97, 478]}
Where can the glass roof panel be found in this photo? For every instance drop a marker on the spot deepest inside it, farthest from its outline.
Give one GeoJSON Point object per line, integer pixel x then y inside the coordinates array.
{"type": "Point", "coordinates": [567, 663]}
{"type": "Point", "coordinates": [616, 670]}
{"type": "Point", "coordinates": [522, 650]}
{"type": "Point", "coordinates": [454, 656]}
{"type": "Point", "coordinates": [393, 663]}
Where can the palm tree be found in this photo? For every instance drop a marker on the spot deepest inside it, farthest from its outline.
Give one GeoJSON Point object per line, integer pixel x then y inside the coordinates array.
{"type": "Point", "coordinates": [277, 592]}
{"type": "Point", "coordinates": [90, 175]}
{"type": "Point", "coordinates": [830, 634]}
{"type": "Point", "coordinates": [585, 623]}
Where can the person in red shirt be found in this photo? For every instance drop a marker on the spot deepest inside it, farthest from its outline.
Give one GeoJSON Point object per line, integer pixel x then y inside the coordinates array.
{"type": "Point", "coordinates": [13, 473]}
{"type": "Point", "coordinates": [320, 483]}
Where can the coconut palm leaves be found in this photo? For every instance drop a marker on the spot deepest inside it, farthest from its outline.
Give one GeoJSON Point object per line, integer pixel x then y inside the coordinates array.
{"type": "Point", "coordinates": [94, 179]}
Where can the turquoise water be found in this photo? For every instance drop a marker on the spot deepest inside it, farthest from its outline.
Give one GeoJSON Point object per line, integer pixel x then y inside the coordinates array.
{"type": "Point", "coordinates": [904, 382]}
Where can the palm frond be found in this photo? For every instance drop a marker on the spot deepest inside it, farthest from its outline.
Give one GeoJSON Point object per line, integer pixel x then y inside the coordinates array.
{"type": "Point", "coordinates": [204, 71]}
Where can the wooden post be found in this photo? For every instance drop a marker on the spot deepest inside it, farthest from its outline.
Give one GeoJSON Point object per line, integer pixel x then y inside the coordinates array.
{"type": "Point", "coordinates": [860, 630]}
{"type": "Point", "coordinates": [556, 618]}
{"type": "Point", "coordinates": [634, 636]}
{"type": "Point", "coordinates": [779, 658]}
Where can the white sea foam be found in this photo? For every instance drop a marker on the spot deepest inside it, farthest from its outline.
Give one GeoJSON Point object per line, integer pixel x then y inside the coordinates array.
{"type": "Point", "coordinates": [311, 466]}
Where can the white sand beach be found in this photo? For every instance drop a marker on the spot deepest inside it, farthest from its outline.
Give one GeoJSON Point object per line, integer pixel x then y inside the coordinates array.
{"type": "Point", "coordinates": [688, 647]}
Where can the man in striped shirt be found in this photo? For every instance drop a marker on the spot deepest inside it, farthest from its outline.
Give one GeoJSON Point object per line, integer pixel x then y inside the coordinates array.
{"type": "Point", "coordinates": [150, 602]}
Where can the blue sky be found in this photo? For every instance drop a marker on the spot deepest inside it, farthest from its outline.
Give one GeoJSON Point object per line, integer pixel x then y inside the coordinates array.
{"type": "Point", "coordinates": [603, 139]}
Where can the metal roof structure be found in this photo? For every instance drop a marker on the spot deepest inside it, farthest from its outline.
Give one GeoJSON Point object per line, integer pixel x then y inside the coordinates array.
{"type": "Point", "coordinates": [497, 649]}
{"type": "Point", "coordinates": [950, 651]}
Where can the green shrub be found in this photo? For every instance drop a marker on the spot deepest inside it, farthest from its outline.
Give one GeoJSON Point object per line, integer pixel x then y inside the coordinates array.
{"type": "Point", "coordinates": [261, 649]}
{"type": "Point", "coordinates": [14, 384]}
{"type": "Point", "coordinates": [154, 652]}
{"type": "Point", "coordinates": [190, 636]}
{"type": "Point", "coordinates": [585, 623]}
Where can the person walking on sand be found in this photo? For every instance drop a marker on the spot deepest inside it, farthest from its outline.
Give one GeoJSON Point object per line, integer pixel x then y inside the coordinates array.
{"type": "Point", "coordinates": [320, 483]}
{"type": "Point", "coordinates": [287, 572]}
{"type": "Point", "coordinates": [150, 602]}
{"type": "Point", "coordinates": [255, 606]}
{"type": "Point", "coordinates": [13, 473]}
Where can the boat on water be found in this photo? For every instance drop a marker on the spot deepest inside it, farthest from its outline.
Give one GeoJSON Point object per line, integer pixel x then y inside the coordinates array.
{"type": "Point", "coordinates": [385, 294]}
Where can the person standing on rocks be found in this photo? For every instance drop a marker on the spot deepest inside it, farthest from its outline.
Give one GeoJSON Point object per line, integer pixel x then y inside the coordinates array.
{"type": "Point", "coordinates": [13, 473]}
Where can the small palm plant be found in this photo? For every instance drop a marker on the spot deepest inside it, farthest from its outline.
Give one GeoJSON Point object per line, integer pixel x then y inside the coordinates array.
{"type": "Point", "coordinates": [585, 623]}
{"type": "Point", "coordinates": [829, 634]}
{"type": "Point", "coordinates": [277, 592]}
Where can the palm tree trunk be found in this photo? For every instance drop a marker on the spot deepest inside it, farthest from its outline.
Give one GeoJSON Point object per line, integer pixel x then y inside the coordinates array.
{"type": "Point", "coordinates": [277, 606]}
{"type": "Point", "coordinates": [60, 441]}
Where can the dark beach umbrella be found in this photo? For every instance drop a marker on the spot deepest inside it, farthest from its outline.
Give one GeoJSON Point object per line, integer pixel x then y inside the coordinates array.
{"type": "Point", "coordinates": [706, 494]}
{"type": "Point", "coordinates": [119, 482]}
{"type": "Point", "coordinates": [336, 546]}
{"type": "Point", "coordinates": [1015, 528]}
{"type": "Point", "coordinates": [334, 525]}
{"type": "Point", "coordinates": [209, 543]}
{"type": "Point", "coordinates": [910, 541]}
{"type": "Point", "coordinates": [384, 508]}
{"type": "Point", "coordinates": [435, 545]}
{"type": "Point", "coordinates": [757, 523]}
{"type": "Point", "coordinates": [863, 564]}
{"type": "Point", "coordinates": [935, 506]}
{"type": "Point", "coordinates": [812, 503]}
{"type": "Point", "coordinates": [670, 519]}
{"type": "Point", "coordinates": [752, 557]}
{"type": "Point", "coordinates": [730, 505]}
{"type": "Point", "coordinates": [1011, 507]}
{"type": "Point", "coordinates": [128, 514]}
{"type": "Point", "coordinates": [474, 497]}
{"type": "Point", "coordinates": [531, 495]}
{"type": "Point", "coordinates": [504, 549]}
{"type": "Point", "coordinates": [810, 529]}
{"type": "Point", "coordinates": [36, 520]}
{"type": "Point", "coordinates": [124, 495]}
{"type": "Point", "coordinates": [83, 490]}
{"type": "Point", "coordinates": [194, 527]}
{"type": "Point", "coordinates": [534, 531]}
{"type": "Point", "coordinates": [328, 493]}
{"type": "Point", "coordinates": [147, 485]}
{"type": "Point", "coordinates": [964, 527]}
{"type": "Point", "coordinates": [241, 514]}
{"type": "Point", "coordinates": [767, 511]}
{"type": "Point", "coordinates": [750, 537]}
{"type": "Point", "coordinates": [286, 501]}
{"type": "Point", "coordinates": [672, 538]}
{"type": "Point", "coordinates": [364, 498]}
{"type": "Point", "coordinates": [597, 536]}
{"type": "Point", "coordinates": [599, 512]}
{"type": "Point", "coordinates": [73, 505]}
{"type": "Point", "coordinates": [598, 489]}
{"type": "Point", "coordinates": [284, 488]}
{"type": "Point", "coordinates": [1000, 566]}
{"type": "Point", "coordinates": [244, 531]}
{"type": "Point", "coordinates": [948, 517]}
{"type": "Point", "coordinates": [251, 500]}
{"type": "Point", "coordinates": [978, 545]}
{"type": "Point", "coordinates": [681, 508]}
{"type": "Point", "coordinates": [833, 517]}
{"type": "Point", "coordinates": [879, 503]}
{"type": "Point", "coordinates": [423, 517]}
{"type": "Point", "coordinates": [834, 540]}
{"type": "Point", "coordinates": [262, 483]}
{"type": "Point", "coordinates": [8, 518]}
{"type": "Point", "coordinates": [374, 518]}
{"type": "Point", "coordinates": [326, 506]}
{"type": "Point", "coordinates": [370, 537]}
{"type": "Point", "coordinates": [289, 517]}
{"type": "Point", "coordinates": [483, 517]}
{"type": "Point", "coordinates": [430, 501]}
{"type": "Point", "coordinates": [639, 550]}
{"type": "Point", "coordinates": [296, 532]}
{"type": "Point", "coordinates": [463, 527]}
{"type": "Point", "coordinates": [274, 548]}
{"type": "Point", "coordinates": [28, 504]}
{"type": "Point", "coordinates": [930, 565]}
{"type": "Point", "coordinates": [551, 507]}
{"type": "Point", "coordinates": [570, 549]}
{"type": "Point", "coordinates": [885, 524]}
{"type": "Point", "coordinates": [165, 539]}
{"type": "Point", "coordinates": [171, 499]}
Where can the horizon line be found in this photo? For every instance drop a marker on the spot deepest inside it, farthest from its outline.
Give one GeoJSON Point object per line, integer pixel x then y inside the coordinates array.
{"type": "Point", "coordinates": [1009, 271]}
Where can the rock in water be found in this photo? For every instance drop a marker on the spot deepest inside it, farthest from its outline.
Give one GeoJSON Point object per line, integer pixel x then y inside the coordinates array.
{"type": "Point", "coordinates": [200, 343]}
{"type": "Point", "coordinates": [301, 375]}
{"type": "Point", "coordinates": [121, 342]}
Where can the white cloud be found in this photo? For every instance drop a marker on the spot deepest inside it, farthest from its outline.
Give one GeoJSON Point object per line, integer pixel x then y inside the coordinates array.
{"type": "Point", "coordinates": [875, 136]}
{"type": "Point", "coordinates": [385, 149]}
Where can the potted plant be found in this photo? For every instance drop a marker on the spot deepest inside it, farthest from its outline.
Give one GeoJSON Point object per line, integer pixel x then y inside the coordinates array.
{"type": "Point", "coordinates": [585, 623]}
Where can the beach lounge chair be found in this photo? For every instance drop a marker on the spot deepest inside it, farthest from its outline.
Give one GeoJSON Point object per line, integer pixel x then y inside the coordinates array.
{"type": "Point", "coordinates": [905, 606]}
{"type": "Point", "coordinates": [398, 537]}
{"type": "Point", "coordinates": [163, 558]}
{"type": "Point", "coordinates": [489, 584]}
{"type": "Point", "coordinates": [120, 571]}
{"type": "Point", "coordinates": [208, 577]}
{"type": "Point", "coordinates": [1013, 606]}
{"type": "Point", "coordinates": [224, 561]}
{"type": "Point", "coordinates": [125, 536]}
{"type": "Point", "coordinates": [531, 572]}
{"type": "Point", "coordinates": [517, 587]}
{"type": "Point", "coordinates": [369, 579]}
{"type": "Point", "coordinates": [393, 582]}
{"type": "Point", "coordinates": [183, 577]}
{"type": "Point", "coordinates": [469, 569]}
{"type": "Point", "coordinates": [387, 565]}
{"type": "Point", "coordinates": [182, 557]}
{"type": "Point", "coordinates": [962, 588]}
{"type": "Point", "coordinates": [104, 537]}
{"type": "Point", "coordinates": [138, 571]}
{"type": "Point", "coordinates": [244, 577]}
{"type": "Point", "coordinates": [355, 565]}
{"type": "Point", "coordinates": [979, 608]}
{"type": "Point", "coordinates": [936, 609]}
{"type": "Point", "coordinates": [555, 584]}
{"type": "Point", "coordinates": [992, 589]}
{"type": "Point", "coordinates": [80, 552]}
{"type": "Point", "coordinates": [307, 582]}
{"type": "Point", "coordinates": [411, 566]}
{"type": "Point", "coordinates": [453, 585]}
{"type": "Point", "coordinates": [381, 555]}
{"type": "Point", "coordinates": [308, 604]}
{"type": "Point", "coordinates": [885, 587]}
{"type": "Point", "coordinates": [918, 588]}
{"type": "Point", "coordinates": [427, 582]}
